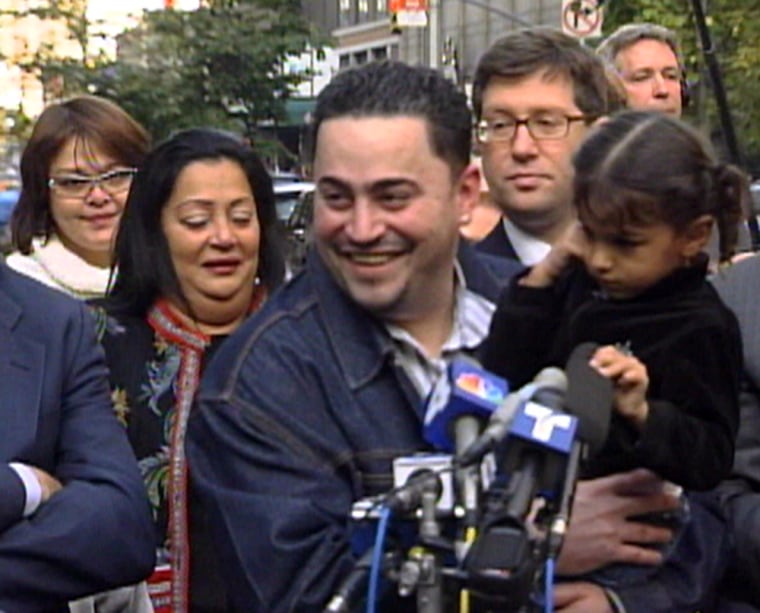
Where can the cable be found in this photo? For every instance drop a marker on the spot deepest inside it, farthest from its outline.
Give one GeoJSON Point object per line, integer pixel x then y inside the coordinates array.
{"type": "Point", "coordinates": [471, 533]}
{"type": "Point", "coordinates": [377, 558]}
{"type": "Point", "coordinates": [549, 586]}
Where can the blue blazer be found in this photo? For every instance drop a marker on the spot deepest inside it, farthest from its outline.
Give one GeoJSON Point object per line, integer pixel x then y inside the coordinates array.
{"type": "Point", "coordinates": [56, 414]}
{"type": "Point", "coordinates": [497, 243]}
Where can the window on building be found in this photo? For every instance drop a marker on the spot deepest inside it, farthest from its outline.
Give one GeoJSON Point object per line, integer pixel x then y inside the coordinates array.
{"type": "Point", "coordinates": [363, 8]}
{"type": "Point", "coordinates": [344, 61]}
{"type": "Point", "coordinates": [379, 53]}
{"type": "Point", "coordinates": [381, 6]}
{"type": "Point", "coordinates": [360, 57]}
{"type": "Point", "coordinates": [344, 12]}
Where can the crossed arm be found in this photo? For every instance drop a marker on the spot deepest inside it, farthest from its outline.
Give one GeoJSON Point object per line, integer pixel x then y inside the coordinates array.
{"type": "Point", "coordinates": [92, 530]}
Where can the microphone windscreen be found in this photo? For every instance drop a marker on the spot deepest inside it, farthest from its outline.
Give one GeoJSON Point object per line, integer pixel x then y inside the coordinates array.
{"type": "Point", "coordinates": [551, 388]}
{"type": "Point", "coordinates": [589, 397]}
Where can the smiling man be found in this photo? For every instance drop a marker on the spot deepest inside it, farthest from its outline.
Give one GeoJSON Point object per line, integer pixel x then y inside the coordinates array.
{"type": "Point", "coordinates": [304, 408]}
{"type": "Point", "coordinates": [536, 93]}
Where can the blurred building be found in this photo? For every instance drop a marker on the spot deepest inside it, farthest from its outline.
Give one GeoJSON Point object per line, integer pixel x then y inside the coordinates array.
{"type": "Point", "coordinates": [24, 35]}
{"type": "Point", "coordinates": [454, 33]}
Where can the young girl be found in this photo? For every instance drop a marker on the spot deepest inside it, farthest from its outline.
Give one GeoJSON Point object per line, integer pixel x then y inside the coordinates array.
{"type": "Point", "coordinates": [631, 277]}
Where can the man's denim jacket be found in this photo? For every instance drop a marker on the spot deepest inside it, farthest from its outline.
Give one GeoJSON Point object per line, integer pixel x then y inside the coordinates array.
{"type": "Point", "coordinates": [299, 415]}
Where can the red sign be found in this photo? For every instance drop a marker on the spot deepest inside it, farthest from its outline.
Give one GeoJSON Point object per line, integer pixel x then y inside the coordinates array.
{"type": "Point", "coordinates": [396, 6]}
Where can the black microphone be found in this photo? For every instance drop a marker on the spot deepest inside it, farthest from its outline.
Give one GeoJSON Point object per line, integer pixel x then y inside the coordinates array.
{"type": "Point", "coordinates": [501, 564]}
{"type": "Point", "coordinates": [354, 587]}
{"type": "Point", "coordinates": [589, 398]}
{"type": "Point", "coordinates": [408, 497]}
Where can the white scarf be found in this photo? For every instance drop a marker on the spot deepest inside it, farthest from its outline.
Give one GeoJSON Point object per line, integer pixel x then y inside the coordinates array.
{"type": "Point", "coordinates": [56, 266]}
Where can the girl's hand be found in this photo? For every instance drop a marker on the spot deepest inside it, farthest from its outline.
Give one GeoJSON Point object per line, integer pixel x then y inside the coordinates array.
{"type": "Point", "coordinates": [631, 382]}
{"type": "Point", "coordinates": [570, 245]}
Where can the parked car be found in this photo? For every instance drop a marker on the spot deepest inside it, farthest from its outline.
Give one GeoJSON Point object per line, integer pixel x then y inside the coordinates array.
{"type": "Point", "coordinates": [8, 199]}
{"type": "Point", "coordinates": [299, 230]}
{"type": "Point", "coordinates": [287, 192]}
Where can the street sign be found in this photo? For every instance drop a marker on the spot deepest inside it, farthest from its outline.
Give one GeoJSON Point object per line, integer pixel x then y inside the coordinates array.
{"type": "Point", "coordinates": [395, 6]}
{"type": "Point", "coordinates": [409, 13]}
{"type": "Point", "coordinates": [582, 18]}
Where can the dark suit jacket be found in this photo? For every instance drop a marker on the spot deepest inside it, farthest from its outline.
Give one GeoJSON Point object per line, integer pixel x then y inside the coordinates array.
{"type": "Point", "coordinates": [497, 243]}
{"type": "Point", "coordinates": [55, 414]}
{"type": "Point", "coordinates": [739, 286]}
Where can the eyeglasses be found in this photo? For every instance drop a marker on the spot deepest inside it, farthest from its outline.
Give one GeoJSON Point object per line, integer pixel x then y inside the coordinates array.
{"type": "Point", "coordinates": [77, 186]}
{"type": "Point", "coordinates": [545, 126]}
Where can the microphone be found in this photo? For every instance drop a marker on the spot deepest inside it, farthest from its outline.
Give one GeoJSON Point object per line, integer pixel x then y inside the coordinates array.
{"type": "Point", "coordinates": [353, 588]}
{"type": "Point", "coordinates": [459, 402]}
{"type": "Point", "coordinates": [457, 407]}
{"type": "Point", "coordinates": [502, 418]}
{"type": "Point", "coordinates": [502, 562]}
{"type": "Point", "coordinates": [540, 439]}
{"type": "Point", "coordinates": [589, 397]}
{"type": "Point", "coordinates": [408, 497]}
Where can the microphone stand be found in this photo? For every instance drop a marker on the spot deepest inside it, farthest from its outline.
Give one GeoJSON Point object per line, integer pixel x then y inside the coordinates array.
{"type": "Point", "coordinates": [422, 570]}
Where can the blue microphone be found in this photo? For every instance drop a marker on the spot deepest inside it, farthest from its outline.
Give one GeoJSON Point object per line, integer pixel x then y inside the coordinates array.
{"type": "Point", "coordinates": [456, 411]}
{"type": "Point", "coordinates": [461, 400]}
{"type": "Point", "coordinates": [538, 445]}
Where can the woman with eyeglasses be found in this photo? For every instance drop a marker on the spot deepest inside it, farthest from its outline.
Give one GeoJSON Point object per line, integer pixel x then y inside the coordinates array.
{"type": "Point", "coordinates": [76, 171]}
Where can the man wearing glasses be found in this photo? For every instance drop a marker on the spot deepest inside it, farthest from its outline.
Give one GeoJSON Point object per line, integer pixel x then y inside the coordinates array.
{"type": "Point", "coordinates": [536, 93]}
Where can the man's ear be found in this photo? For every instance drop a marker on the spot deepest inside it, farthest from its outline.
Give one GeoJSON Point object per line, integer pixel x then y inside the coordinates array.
{"type": "Point", "coordinates": [468, 191]}
{"type": "Point", "coordinates": [697, 235]}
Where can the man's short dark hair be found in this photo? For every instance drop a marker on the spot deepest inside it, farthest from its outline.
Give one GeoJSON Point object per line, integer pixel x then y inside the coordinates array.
{"type": "Point", "coordinates": [631, 33]}
{"type": "Point", "coordinates": [390, 88]}
{"type": "Point", "coordinates": [528, 51]}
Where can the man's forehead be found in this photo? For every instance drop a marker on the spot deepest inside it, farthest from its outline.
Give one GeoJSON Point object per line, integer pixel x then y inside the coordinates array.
{"type": "Point", "coordinates": [647, 50]}
{"type": "Point", "coordinates": [545, 74]}
{"type": "Point", "coordinates": [356, 137]}
{"type": "Point", "coordinates": [531, 90]}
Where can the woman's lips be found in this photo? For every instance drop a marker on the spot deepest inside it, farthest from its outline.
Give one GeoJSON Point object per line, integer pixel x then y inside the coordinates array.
{"type": "Point", "coordinates": [222, 267]}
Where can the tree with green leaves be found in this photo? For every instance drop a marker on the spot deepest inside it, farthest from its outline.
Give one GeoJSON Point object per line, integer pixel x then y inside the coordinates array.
{"type": "Point", "coordinates": [220, 65]}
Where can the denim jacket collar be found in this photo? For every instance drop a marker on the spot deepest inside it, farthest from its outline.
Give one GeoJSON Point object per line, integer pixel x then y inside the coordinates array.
{"type": "Point", "coordinates": [360, 342]}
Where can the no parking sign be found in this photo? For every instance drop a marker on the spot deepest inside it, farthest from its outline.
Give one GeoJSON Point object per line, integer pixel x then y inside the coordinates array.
{"type": "Point", "coordinates": [582, 18]}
